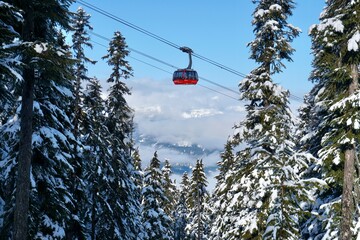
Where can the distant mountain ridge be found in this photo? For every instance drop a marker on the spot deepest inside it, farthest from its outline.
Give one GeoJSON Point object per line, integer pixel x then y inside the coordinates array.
{"type": "Point", "coordinates": [194, 151]}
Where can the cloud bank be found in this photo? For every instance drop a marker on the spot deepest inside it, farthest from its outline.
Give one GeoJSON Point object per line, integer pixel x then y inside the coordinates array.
{"type": "Point", "coordinates": [183, 114]}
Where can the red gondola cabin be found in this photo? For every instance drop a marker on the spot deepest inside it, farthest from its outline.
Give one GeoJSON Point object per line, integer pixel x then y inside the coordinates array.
{"type": "Point", "coordinates": [185, 77]}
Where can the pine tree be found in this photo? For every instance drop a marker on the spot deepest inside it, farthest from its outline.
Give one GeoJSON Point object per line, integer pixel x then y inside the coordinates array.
{"type": "Point", "coordinates": [42, 66]}
{"type": "Point", "coordinates": [263, 187]}
{"type": "Point", "coordinates": [156, 222]}
{"type": "Point", "coordinates": [80, 38]}
{"type": "Point", "coordinates": [181, 209]}
{"type": "Point", "coordinates": [198, 218]}
{"type": "Point", "coordinates": [52, 200]}
{"type": "Point", "coordinates": [120, 114]}
{"type": "Point", "coordinates": [139, 181]}
{"type": "Point", "coordinates": [335, 43]}
{"type": "Point", "coordinates": [169, 188]}
{"type": "Point", "coordinates": [138, 168]}
{"type": "Point", "coordinates": [96, 157]}
{"type": "Point", "coordinates": [50, 196]}
{"type": "Point", "coordinates": [119, 122]}
{"type": "Point", "coordinates": [221, 194]}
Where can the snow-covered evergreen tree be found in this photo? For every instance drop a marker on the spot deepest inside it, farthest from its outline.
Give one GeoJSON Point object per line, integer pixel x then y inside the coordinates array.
{"type": "Point", "coordinates": [119, 121]}
{"type": "Point", "coordinates": [335, 44]}
{"type": "Point", "coordinates": [120, 114]}
{"type": "Point", "coordinates": [138, 168]}
{"type": "Point", "coordinates": [181, 209]}
{"type": "Point", "coordinates": [197, 227]}
{"type": "Point", "coordinates": [51, 199]}
{"type": "Point", "coordinates": [220, 197]}
{"type": "Point", "coordinates": [81, 39]}
{"type": "Point", "coordinates": [139, 181]}
{"type": "Point", "coordinates": [96, 157]}
{"type": "Point", "coordinates": [262, 189]}
{"type": "Point", "coordinates": [39, 151]}
{"type": "Point", "coordinates": [169, 188]}
{"type": "Point", "coordinates": [157, 224]}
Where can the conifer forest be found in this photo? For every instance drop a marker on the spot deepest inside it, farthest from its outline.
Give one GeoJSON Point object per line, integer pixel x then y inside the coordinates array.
{"type": "Point", "coordinates": [71, 169]}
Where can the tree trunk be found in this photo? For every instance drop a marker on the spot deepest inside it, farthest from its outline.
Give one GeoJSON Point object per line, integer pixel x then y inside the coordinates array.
{"type": "Point", "coordinates": [24, 159]}
{"type": "Point", "coordinates": [347, 203]}
{"type": "Point", "coordinates": [22, 192]}
{"type": "Point", "coordinates": [347, 197]}
{"type": "Point", "coordinates": [355, 79]}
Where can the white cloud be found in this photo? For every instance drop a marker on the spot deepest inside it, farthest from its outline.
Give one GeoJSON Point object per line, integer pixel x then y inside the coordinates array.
{"type": "Point", "coordinates": [200, 113]}
{"type": "Point", "coordinates": [181, 114]}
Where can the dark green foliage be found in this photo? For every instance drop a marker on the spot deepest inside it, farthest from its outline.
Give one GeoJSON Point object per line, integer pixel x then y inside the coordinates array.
{"type": "Point", "coordinates": [45, 65]}
{"type": "Point", "coordinates": [10, 17]}
{"type": "Point", "coordinates": [138, 173]}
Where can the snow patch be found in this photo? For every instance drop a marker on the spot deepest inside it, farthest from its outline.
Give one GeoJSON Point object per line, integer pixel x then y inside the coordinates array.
{"type": "Point", "coordinates": [335, 23]}
{"type": "Point", "coordinates": [275, 7]}
{"type": "Point", "coordinates": [40, 47]}
{"type": "Point", "coordinates": [353, 43]}
{"type": "Point", "coordinates": [58, 231]}
{"type": "Point", "coordinates": [260, 13]}
{"type": "Point", "coordinates": [356, 124]}
{"type": "Point", "coordinates": [349, 122]}
{"type": "Point", "coordinates": [274, 25]}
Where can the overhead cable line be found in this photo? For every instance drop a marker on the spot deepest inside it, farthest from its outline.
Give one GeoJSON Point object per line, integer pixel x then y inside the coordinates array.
{"type": "Point", "coordinates": [133, 26]}
{"type": "Point", "coordinates": [293, 97]}
{"type": "Point", "coordinates": [165, 63]}
{"type": "Point", "coordinates": [161, 69]}
{"type": "Point", "coordinates": [218, 92]}
{"type": "Point", "coordinates": [172, 66]}
{"type": "Point", "coordinates": [133, 50]}
{"type": "Point", "coordinates": [211, 89]}
{"type": "Point", "coordinates": [163, 40]}
{"type": "Point", "coordinates": [157, 37]}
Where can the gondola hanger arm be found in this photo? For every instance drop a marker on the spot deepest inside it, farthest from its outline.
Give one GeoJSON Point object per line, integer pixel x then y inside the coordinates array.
{"type": "Point", "coordinates": [189, 51]}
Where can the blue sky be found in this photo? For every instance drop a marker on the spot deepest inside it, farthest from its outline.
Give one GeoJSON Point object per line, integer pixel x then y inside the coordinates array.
{"type": "Point", "coordinates": [217, 30]}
